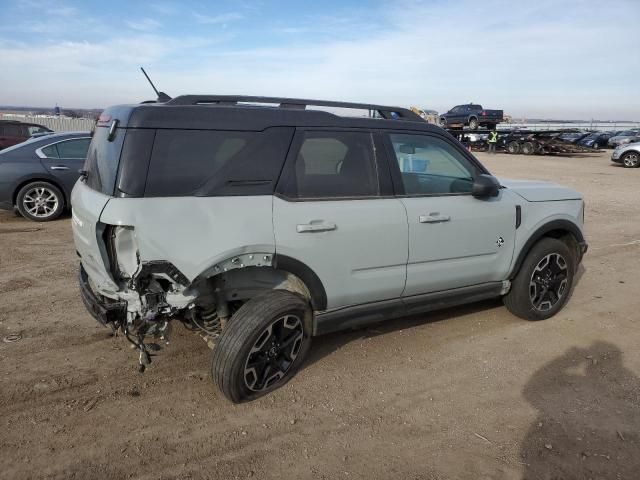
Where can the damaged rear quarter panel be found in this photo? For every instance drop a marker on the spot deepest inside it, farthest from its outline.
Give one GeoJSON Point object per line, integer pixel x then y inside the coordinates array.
{"type": "Point", "coordinates": [195, 233]}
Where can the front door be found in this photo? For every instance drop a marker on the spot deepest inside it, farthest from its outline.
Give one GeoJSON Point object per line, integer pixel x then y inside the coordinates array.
{"type": "Point", "coordinates": [455, 240]}
{"type": "Point", "coordinates": [330, 215]}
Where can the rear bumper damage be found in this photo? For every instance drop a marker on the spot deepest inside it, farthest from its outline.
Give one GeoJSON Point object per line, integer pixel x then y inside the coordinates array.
{"type": "Point", "coordinates": [104, 311]}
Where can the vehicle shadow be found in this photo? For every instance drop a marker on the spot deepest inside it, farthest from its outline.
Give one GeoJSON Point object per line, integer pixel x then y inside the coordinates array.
{"type": "Point", "coordinates": [588, 423]}
{"type": "Point", "coordinates": [325, 345]}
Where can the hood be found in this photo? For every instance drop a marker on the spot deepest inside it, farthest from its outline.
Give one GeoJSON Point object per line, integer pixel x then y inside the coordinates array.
{"type": "Point", "coordinates": [538, 191]}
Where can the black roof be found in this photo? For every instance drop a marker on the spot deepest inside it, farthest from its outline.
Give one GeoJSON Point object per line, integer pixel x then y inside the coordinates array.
{"type": "Point", "coordinates": [257, 113]}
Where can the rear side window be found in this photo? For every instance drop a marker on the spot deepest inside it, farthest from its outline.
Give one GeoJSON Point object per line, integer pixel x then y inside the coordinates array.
{"type": "Point", "coordinates": [333, 165]}
{"type": "Point", "coordinates": [102, 159]}
{"type": "Point", "coordinates": [214, 162]}
{"type": "Point", "coordinates": [51, 151]}
{"type": "Point", "coordinates": [36, 129]}
{"type": "Point", "coordinates": [71, 149]}
{"type": "Point", "coordinates": [13, 131]}
{"type": "Point", "coordinates": [76, 148]}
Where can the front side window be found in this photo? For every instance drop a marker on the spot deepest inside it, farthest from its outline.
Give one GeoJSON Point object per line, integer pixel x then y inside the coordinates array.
{"type": "Point", "coordinates": [431, 166]}
{"type": "Point", "coordinates": [334, 165]}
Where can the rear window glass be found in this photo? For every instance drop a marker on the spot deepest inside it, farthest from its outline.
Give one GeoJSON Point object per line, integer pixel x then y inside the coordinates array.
{"type": "Point", "coordinates": [207, 162]}
{"type": "Point", "coordinates": [333, 165]}
{"type": "Point", "coordinates": [102, 160]}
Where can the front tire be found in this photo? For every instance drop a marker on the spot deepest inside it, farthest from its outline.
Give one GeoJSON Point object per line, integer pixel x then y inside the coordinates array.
{"type": "Point", "coordinates": [263, 345]}
{"type": "Point", "coordinates": [543, 285]}
{"type": "Point", "coordinates": [631, 160]}
{"type": "Point", "coordinates": [473, 124]}
{"type": "Point", "coordinates": [40, 201]}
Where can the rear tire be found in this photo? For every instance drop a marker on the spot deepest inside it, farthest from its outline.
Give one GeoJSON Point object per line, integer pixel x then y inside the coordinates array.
{"type": "Point", "coordinates": [513, 147]}
{"type": "Point", "coordinates": [263, 345]}
{"type": "Point", "coordinates": [543, 285]}
{"type": "Point", "coordinates": [40, 201]}
{"type": "Point", "coordinates": [473, 124]}
{"type": "Point", "coordinates": [528, 148]}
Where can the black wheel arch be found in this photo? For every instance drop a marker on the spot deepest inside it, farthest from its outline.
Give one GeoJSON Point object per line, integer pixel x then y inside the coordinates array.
{"type": "Point", "coordinates": [307, 275]}
{"type": "Point", "coordinates": [560, 229]}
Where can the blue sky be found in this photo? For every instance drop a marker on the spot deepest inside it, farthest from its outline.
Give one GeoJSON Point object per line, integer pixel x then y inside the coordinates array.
{"type": "Point", "coordinates": [543, 58]}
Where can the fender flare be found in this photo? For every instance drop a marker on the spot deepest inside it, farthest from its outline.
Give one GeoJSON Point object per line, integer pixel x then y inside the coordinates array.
{"type": "Point", "coordinates": [552, 226]}
{"type": "Point", "coordinates": [307, 275]}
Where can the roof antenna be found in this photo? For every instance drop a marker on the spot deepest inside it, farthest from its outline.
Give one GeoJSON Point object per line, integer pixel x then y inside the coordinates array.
{"type": "Point", "coordinates": [162, 97]}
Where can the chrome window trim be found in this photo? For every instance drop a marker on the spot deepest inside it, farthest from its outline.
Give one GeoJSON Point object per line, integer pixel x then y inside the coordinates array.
{"type": "Point", "coordinates": [41, 154]}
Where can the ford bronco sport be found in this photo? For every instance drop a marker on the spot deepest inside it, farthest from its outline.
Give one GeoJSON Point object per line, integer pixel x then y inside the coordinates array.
{"type": "Point", "coordinates": [260, 223]}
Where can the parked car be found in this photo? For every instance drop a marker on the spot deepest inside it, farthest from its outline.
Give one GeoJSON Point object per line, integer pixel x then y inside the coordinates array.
{"type": "Point", "coordinates": [37, 176]}
{"type": "Point", "coordinates": [471, 115]}
{"type": "Point", "coordinates": [627, 155]}
{"type": "Point", "coordinates": [572, 137]}
{"type": "Point", "coordinates": [596, 140]}
{"type": "Point", "coordinates": [627, 136]}
{"type": "Point", "coordinates": [13, 132]}
{"type": "Point", "coordinates": [261, 227]}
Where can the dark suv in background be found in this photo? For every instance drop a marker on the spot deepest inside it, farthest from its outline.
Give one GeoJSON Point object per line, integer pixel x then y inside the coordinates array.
{"type": "Point", "coordinates": [12, 132]}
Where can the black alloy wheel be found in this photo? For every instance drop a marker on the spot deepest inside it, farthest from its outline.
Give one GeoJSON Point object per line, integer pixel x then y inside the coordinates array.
{"type": "Point", "coordinates": [548, 282]}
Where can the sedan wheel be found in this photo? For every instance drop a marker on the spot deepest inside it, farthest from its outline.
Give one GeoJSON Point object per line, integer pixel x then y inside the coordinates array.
{"type": "Point", "coordinates": [631, 160]}
{"type": "Point", "coordinates": [40, 201]}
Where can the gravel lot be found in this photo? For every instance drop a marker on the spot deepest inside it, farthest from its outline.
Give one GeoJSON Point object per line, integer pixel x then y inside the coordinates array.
{"type": "Point", "coordinates": [468, 393]}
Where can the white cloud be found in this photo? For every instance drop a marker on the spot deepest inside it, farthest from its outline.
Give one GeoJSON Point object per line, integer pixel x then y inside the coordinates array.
{"type": "Point", "coordinates": [217, 19]}
{"type": "Point", "coordinates": [144, 25]}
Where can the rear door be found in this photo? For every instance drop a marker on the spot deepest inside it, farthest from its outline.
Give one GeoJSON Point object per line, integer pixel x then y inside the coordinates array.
{"type": "Point", "coordinates": [65, 159]}
{"type": "Point", "coordinates": [335, 213]}
{"type": "Point", "coordinates": [455, 240]}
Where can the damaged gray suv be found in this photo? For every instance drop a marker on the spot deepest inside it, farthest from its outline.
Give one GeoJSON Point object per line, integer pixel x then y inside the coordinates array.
{"type": "Point", "coordinates": [260, 223]}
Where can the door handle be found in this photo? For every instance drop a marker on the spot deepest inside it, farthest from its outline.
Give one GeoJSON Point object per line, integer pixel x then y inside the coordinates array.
{"type": "Point", "coordinates": [315, 227]}
{"type": "Point", "coordinates": [434, 218]}
{"type": "Point", "coordinates": [59, 167]}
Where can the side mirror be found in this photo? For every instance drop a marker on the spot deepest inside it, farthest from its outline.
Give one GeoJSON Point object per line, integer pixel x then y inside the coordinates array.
{"type": "Point", "coordinates": [485, 186]}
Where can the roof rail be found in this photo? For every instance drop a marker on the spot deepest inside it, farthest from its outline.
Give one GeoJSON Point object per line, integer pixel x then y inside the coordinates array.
{"type": "Point", "coordinates": [295, 103]}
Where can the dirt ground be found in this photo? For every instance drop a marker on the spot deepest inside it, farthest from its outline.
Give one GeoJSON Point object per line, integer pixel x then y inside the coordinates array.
{"type": "Point", "coordinates": [468, 393]}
